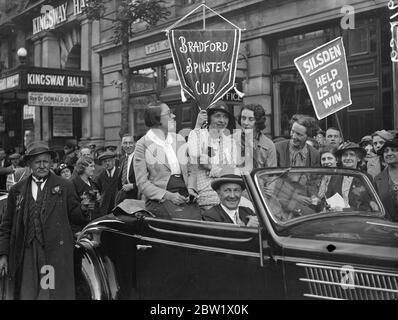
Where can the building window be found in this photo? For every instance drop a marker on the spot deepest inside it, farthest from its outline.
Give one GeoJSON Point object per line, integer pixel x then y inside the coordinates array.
{"type": "Point", "coordinates": [143, 80]}
{"type": "Point", "coordinates": [363, 39]}
{"type": "Point", "coordinates": [292, 47]}
{"type": "Point", "coordinates": [170, 76]}
{"type": "Point", "coordinates": [359, 41]}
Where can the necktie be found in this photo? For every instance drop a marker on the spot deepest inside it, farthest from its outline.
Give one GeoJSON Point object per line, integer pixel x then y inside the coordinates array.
{"type": "Point", "coordinates": [110, 173]}
{"type": "Point", "coordinates": [124, 172]}
{"type": "Point", "coordinates": [39, 191]}
{"type": "Point", "coordinates": [237, 219]}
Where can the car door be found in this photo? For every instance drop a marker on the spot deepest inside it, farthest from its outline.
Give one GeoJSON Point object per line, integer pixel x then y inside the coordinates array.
{"type": "Point", "coordinates": [185, 259]}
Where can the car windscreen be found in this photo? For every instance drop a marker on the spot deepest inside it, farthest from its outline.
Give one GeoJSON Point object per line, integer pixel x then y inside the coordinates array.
{"type": "Point", "coordinates": [293, 194]}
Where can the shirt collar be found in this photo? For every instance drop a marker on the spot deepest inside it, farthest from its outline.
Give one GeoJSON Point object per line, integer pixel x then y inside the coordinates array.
{"type": "Point", "coordinates": [292, 147]}
{"type": "Point", "coordinates": [152, 135]}
{"type": "Point", "coordinates": [39, 180]}
{"type": "Point", "coordinates": [231, 213]}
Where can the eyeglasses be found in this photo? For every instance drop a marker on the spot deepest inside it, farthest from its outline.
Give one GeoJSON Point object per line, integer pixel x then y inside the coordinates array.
{"type": "Point", "coordinates": [168, 113]}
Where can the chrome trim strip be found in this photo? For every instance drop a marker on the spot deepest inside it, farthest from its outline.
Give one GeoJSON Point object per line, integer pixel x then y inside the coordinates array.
{"type": "Point", "coordinates": [381, 224]}
{"type": "Point", "coordinates": [339, 268]}
{"type": "Point", "coordinates": [180, 244]}
{"type": "Point", "coordinates": [321, 297]}
{"type": "Point", "coordinates": [200, 236]}
{"type": "Point", "coordinates": [204, 248]}
{"type": "Point", "coordinates": [349, 286]}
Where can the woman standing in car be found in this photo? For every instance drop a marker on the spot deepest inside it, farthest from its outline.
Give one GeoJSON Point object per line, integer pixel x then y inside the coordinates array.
{"type": "Point", "coordinates": [211, 149]}
{"type": "Point", "coordinates": [162, 168]}
{"type": "Point", "coordinates": [262, 152]}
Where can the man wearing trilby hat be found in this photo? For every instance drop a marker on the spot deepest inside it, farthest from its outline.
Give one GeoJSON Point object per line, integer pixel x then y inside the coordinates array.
{"type": "Point", "coordinates": [107, 181]}
{"type": "Point", "coordinates": [229, 188]}
{"type": "Point", "coordinates": [36, 241]}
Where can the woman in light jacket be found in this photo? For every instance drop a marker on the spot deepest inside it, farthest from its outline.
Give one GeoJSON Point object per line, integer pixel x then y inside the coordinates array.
{"type": "Point", "coordinates": [162, 169]}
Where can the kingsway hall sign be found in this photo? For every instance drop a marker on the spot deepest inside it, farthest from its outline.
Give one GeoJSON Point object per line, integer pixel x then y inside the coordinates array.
{"type": "Point", "coordinates": [46, 80]}
{"type": "Point", "coordinates": [52, 16]}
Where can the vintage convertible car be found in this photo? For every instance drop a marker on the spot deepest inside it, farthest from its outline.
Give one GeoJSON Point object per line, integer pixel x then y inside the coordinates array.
{"type": "Point", "coordinates": [323, 234]}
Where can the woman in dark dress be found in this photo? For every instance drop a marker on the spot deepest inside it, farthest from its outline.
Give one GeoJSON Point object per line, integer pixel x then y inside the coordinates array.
{"type": "Point", "coordinates": [86, 189]}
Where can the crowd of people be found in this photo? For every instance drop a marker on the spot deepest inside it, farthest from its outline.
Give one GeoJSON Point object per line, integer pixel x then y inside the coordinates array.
{"type": "Point", "coordinates": [195, 177]}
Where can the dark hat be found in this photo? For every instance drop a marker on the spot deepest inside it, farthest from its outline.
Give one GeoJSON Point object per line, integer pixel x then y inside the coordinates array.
{"type": "Point", "coordinates": [110, 145]}
{"type": "Point", "coordinates": [63, 166]}
{"type": "Point", "coordinates": [100, 148]}
{"type": "Point", "coordinates": [106, 155]}
{"type": "Point", "coordinates": [228, 175]}
{"type": "Point", "coordinates": [365, 140]}
{"type": "Point", "coordinates": [36, 148]}
{"type": "Point", "coordinates": [389, 143]}
{"type": "Point", "coordinates": [15, 156]}
{"type": "Point", "coordinates": [70, 144]}
{"type": "Point", "coordinates": [221, 106]}
{"type": "Point", "coordinates": [350, 146]}
{"type": "Point", "coordinates": [90, 145]}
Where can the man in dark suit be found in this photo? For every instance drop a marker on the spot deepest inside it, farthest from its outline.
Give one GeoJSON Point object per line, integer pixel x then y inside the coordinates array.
{"type": "Point", "coordinates": [5, 169]}
{"type": "Point", "coordinates": [36, 241]}
{"type": "Point", "coordinates": [296, 152]}
{"type": "Point", "coordinates": [127, 185]}
{"type": "Point", "coordinates": [107, 182]}
{"type": "Point", "coordinates": [229, 188]}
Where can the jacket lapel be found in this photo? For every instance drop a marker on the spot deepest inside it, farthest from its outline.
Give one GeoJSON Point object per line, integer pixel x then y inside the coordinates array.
{"type": "Point", "coordinates": [223, 214]}
{"type": "Point", "coordinates": [157, 152]}
{"type": "Point", "coordinates": [49, 198]}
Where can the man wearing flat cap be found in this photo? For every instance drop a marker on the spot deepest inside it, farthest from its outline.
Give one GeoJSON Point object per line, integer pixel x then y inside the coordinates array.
{"type": "Point", "coordinates": [107, 182]}
{"type": "Point", "coordinates": [229, 188]}
{"type": "Point", "coordinates": [36, 241]}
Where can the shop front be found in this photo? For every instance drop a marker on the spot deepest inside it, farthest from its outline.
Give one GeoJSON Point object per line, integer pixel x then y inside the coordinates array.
{"type": "Point", "coordinates": [26, 90]}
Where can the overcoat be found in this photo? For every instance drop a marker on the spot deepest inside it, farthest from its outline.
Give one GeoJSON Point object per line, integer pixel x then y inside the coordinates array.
{"type": "Point", "coordinates": [108, 188]}
{"type": "Point", "coordinates": [62, 205]}
{"type": "Point", "coordinates": [382, 184]}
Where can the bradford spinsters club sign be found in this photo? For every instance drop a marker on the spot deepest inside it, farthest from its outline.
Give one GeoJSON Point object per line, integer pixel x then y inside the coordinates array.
{"type": "Point", "coordinates": [325, 74]}
{"type": "Point", "coordinates": [205, 61]}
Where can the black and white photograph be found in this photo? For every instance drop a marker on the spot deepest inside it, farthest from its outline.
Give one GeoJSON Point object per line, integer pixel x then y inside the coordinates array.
{"type": "Point", "coordinates": [198, 154]}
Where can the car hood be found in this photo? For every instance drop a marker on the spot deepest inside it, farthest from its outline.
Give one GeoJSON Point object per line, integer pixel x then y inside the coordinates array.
{"type": "Point", "coordinates": [351, 229]}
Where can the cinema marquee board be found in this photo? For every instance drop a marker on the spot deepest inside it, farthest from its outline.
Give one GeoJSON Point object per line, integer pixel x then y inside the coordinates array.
{"type": "Point", "coordinates": [47, 80]}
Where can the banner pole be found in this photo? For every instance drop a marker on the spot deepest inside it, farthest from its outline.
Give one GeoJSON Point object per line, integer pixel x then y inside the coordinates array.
{"type": "Point", "coordinates": [204, 14]}
{"type": "Point", "coordinates": [339, 125]}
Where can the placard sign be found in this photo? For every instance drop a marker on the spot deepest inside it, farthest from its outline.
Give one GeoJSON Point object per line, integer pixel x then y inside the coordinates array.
{"type": "Point", "coordinates": [325, 73]}
{"type": "Point", "coordinates": [205, 61]}
{"type": "Point", "coordinates": [49, 99]}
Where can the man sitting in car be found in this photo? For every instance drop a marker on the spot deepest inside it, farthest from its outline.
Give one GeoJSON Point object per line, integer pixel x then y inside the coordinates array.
{"type": "Point", "coordinates": [229, 188]}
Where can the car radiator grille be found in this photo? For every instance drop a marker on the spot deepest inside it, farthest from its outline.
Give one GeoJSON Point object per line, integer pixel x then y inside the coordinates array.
{"type": "Point", "coordinates": [348, 283]}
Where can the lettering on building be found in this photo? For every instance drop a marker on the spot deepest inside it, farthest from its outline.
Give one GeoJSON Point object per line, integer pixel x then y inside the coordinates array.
{"type": "Point", "coordinates": [78, 6]}
{"type": "Point", "coordinates": [157, 47]}
{"type": "Point", "coordinates": [9, 82]}
{"type": "Point", "coordinates": [50, 18]}
{"type": "Point", "coordinates": [39, 79]}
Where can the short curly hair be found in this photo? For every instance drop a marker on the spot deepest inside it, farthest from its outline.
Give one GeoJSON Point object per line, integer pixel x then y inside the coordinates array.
{"type": "Point", "coordinates": [82, 164]}
{"type": "Point", "coordinates": [259, 115]}
{"type": "Point", "coordinates": [306, 121]}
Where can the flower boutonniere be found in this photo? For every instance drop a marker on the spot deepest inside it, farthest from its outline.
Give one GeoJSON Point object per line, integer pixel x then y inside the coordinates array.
{"type": "Point", "coordinates": [56, 190]}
